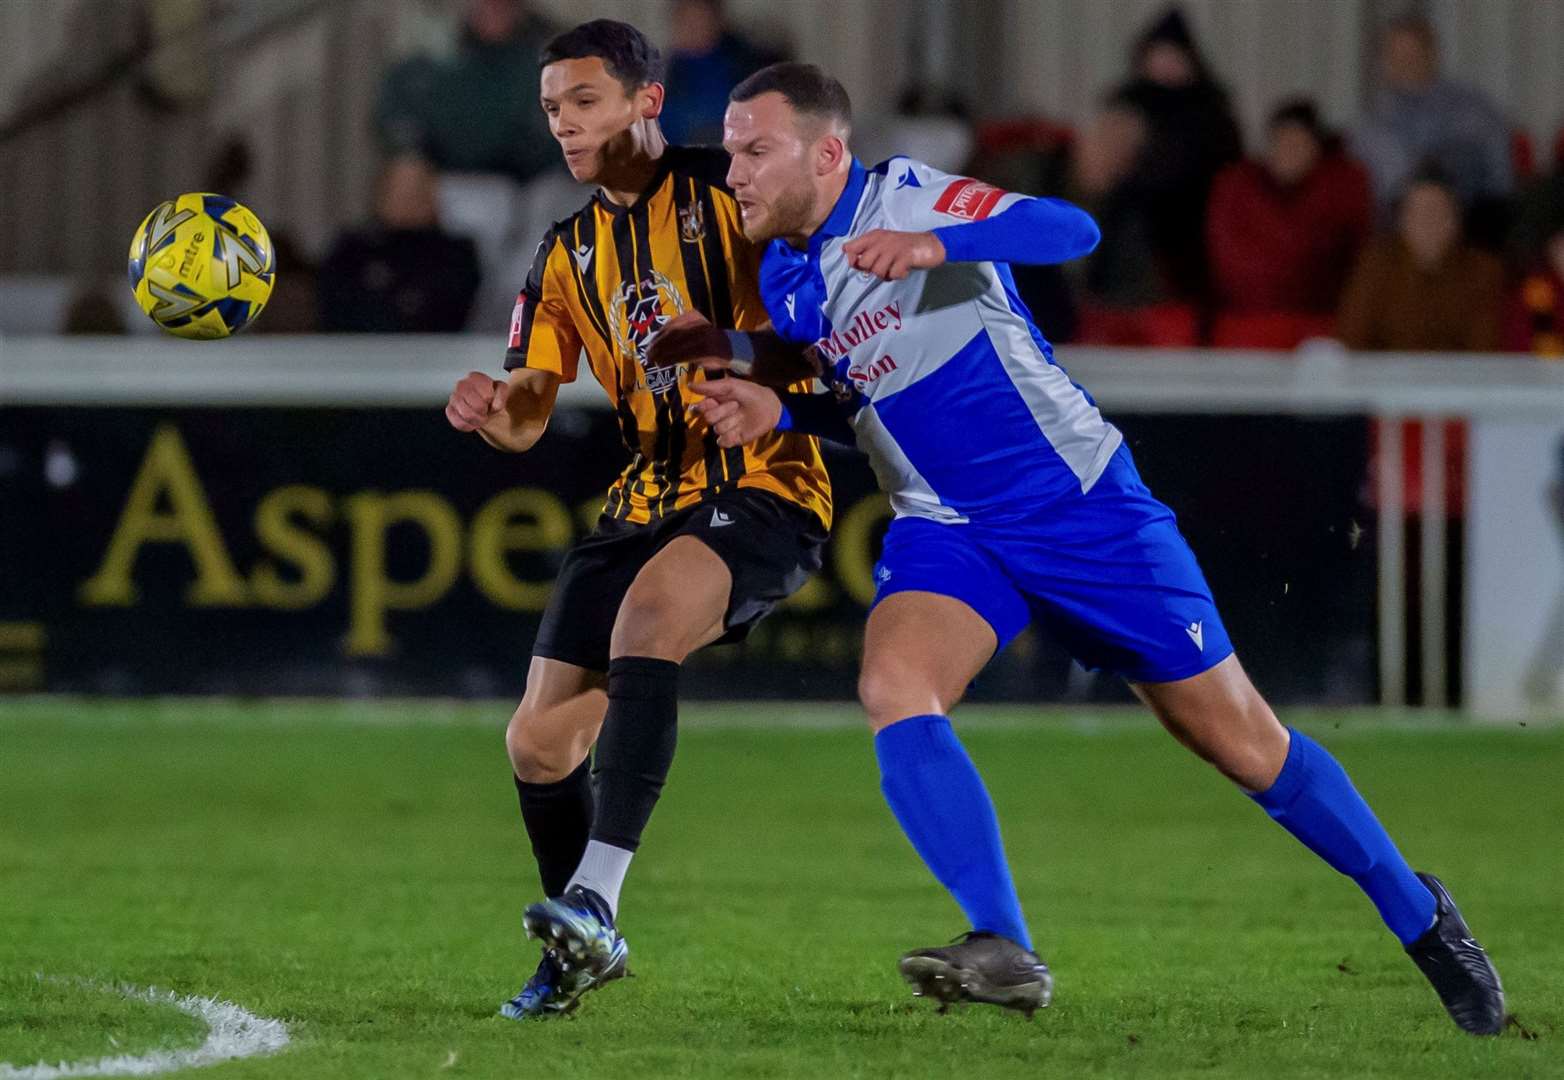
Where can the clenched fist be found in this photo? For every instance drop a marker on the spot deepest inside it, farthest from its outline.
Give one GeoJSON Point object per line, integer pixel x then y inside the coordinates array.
{"type": "Point", "coordinates": [738, 410]}
{"type": "Point", "coordinates": [893, 255]}
{"type": "Point", "coordinates": [475, 399]}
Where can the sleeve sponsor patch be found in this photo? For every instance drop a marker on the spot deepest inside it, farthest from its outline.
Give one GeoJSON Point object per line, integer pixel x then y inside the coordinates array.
{"type": "Point", "coordinates": [516, 320]}
{"type": "Point", "coordinates": [968, 198]}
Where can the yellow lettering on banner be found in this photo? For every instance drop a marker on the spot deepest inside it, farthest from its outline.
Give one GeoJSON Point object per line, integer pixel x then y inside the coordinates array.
{"type": "Point", "coordinates": [373, 593]}
{"type": "Point", "coordinates": [521, 519]}
{"type": "Point", "coordinates": [167, 471]}
{"type": "Point", "coordinates": [293, 544]}
{"type": "Point", "coordinates": [853, 552]}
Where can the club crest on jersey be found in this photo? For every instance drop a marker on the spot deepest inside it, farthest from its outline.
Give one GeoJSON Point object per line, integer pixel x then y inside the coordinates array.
{"type": "Point", "coordinates": [639, 309]}
{"type": "Point", "coordinates": [692, 224]}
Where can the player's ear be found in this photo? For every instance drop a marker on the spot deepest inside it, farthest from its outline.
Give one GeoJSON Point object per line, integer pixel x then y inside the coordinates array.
{"type": "Point", "coordinates": [649, 101]}
{"type": "Point", "coordinates": [830, 152]}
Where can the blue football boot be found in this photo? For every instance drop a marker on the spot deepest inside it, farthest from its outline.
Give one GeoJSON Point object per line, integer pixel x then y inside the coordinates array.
{"type": "Point", "coordinates": [578, 930]}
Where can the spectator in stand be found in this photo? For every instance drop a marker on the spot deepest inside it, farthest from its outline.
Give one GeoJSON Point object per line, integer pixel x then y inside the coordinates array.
{"type": "Point", "coordinates": [1124, 295]}
{"type": "Point", "coordinates": [1283, 232]}
{"type": "Point", "coordinates": [478, 111]}
{"type": "Point", "coordinates": [1535, 321]}
{"type": "Point", "coordinates": [1423, 288]}
{"type": "Point", "coordinates": [1190, 134]}
{"type": "Point", "coordinates": [291, 307]}
{"type": "Point", "coordinates": [708, 60]}
{"type": "Point", "coordinates": [402, 274]}
{"type": "Point", "coordinates": [1539, 214]}
{"type": "Point", "coordinates": [1419, 120]}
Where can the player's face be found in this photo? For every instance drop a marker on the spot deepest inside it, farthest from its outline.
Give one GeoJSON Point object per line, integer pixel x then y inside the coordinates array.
{"type": "Point", "coordinates": [772, 172]}
{"type": "Point", "coordinates": [590, 114]}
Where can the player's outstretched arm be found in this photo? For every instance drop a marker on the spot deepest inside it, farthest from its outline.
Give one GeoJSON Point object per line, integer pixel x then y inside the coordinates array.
{"type": "Point", "coordinates": [759, 355]}
{"type": "Point", "coordinates": [509, 416]}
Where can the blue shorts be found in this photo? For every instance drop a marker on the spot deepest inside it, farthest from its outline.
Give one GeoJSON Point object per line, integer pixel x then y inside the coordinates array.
{"type": "Point", "coordinates": [1107, 574]}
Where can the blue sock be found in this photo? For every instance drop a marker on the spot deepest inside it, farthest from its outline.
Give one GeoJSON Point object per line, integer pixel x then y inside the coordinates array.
{"type": "Point", "coordinates": [943, 807]}
{"type": "Point", "coordinates": [1313, 799]}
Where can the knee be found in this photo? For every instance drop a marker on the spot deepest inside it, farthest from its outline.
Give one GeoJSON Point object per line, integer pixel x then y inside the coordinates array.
{"type": "Point", "coordinates": [652, 622]}
{"type": "Point", "coordinates": [1248, 745]}
{"type": "Point", "coordinates": [534, 757]}
{"type": "Point", "coordinates": [890, 692]}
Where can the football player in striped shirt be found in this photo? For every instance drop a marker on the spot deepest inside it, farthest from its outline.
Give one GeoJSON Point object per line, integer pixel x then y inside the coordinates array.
{"type": "Point", "coordinates": [696, 542]}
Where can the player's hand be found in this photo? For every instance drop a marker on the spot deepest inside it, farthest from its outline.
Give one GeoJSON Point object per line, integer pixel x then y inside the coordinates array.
{"type": "Point", "coordinates": [475, 399]}
{"type": "Point", "coordinates": [689, 339]}
{"type": "Point", "coordinates": [892, 255]}
{"type": "Point", "coordinates": [738, 410]}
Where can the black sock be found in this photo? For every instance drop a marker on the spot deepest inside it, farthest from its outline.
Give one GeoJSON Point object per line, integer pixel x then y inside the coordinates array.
{"type": "Point", "coordinates": [558, 817]}
{"type": "Point", "coordinates": [635, 748]}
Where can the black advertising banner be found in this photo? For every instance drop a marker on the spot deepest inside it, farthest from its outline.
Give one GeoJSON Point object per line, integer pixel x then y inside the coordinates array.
{"type": "Point", "coordinates": [368, 551]}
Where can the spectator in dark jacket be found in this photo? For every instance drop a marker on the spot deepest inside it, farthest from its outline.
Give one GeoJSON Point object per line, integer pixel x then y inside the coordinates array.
{"type": "Point", "coordinates": [402, 274]}
{"type": "Point", "coordinates": [1190, 135]}
{"type": "Point", "coordinates": [478, 111]}
{"type": "Point", "coordinates": [1284, 230]}
{"type": "Point", "coordinates": [1423, 288]}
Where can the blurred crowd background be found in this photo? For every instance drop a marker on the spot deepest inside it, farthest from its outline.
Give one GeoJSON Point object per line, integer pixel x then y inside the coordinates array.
{"type": "Point", "coordinates": [1265, 171]}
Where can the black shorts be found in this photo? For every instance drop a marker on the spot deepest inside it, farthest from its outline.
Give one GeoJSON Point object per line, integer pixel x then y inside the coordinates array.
{"type": "Point", "coordinates": [770, 546]}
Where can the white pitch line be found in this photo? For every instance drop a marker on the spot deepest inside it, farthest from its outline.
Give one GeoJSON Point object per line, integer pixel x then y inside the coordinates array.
{"type": "Point", "coordinates": [232, 1033]}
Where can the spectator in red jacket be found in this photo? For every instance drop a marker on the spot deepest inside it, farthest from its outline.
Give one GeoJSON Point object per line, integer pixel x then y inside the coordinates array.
{"type": "Point", "coordinates": [1284, 231]}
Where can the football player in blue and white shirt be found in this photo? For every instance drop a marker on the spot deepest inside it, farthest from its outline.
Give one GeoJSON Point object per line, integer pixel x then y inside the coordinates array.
{"type": "Point", "coordinates": [1015, 500]}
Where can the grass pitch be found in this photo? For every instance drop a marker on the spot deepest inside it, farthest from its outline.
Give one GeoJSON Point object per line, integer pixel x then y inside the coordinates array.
{"type": "Point", "coordinates": [358, 871]}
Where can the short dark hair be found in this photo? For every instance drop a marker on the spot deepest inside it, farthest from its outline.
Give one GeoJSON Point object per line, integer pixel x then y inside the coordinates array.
{"type": "Point", "coordinates": [1417, 25]}
{"type": "Point", "coordinates": [624, 50]}
{"type": "Point", "coordinates": [1301, 112]}
{"type": "Point", "coordinates": [807, 89]}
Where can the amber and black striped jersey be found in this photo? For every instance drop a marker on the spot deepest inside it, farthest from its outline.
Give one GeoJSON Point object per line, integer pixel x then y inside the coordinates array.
{"type": "Point", "coordinates": [604, 280]}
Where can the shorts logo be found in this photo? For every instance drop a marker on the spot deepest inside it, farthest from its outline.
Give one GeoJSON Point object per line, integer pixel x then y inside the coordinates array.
{"type": "Point", "coordinates": [1197, 634]}
{"type": "Point", "coordinates": [692, 224]}
{"type": "Point", "coordinates": [970, 199]}
{"type": "Point", "coordinates": [516, 318]}
{"type": "Point", "coordinates": [718, 518]}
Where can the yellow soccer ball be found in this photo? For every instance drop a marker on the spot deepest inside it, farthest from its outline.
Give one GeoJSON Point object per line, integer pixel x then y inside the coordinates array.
{"type": "Point", "coordinates": [202, 266]}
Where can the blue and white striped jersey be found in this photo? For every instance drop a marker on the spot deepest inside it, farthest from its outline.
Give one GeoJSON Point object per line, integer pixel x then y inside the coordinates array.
{"type": "Point", "coordinates": [951, 388]}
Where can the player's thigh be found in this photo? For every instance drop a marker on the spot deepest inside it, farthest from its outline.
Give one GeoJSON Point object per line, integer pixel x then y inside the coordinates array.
{"type": "Point", "coordinates": [578, 621]}
{"type": "Point", "coordinates": [676, 603]}
{"type": "Point", "coordinates": [1114, 581]}
{"type": "Point", "coordinates": [1222, 717]}
{"type": "Point", "coordinates": [554, 727]}
{"type": "Point", "coordinates": [920, 650]}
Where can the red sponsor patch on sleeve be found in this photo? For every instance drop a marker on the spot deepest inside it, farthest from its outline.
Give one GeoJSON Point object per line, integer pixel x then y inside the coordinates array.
{"type": "Point", "coordinates": [516, 321]}
{"type": "Point", "coordinates": [970, 199]}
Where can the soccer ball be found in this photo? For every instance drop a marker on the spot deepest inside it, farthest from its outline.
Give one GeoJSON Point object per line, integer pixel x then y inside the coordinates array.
{"type": "Point", "coordinates": [202, 266]}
